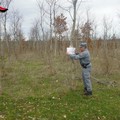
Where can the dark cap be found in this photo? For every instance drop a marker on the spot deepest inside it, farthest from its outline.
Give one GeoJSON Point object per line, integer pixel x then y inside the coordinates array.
{"type": "Point", "coordinates": [83, 44]}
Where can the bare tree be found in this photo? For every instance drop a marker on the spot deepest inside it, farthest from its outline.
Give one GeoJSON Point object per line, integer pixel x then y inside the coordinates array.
{"type": "Point", "coordinates": [6, 3]}
{"type": "Point", "coordinates": [74, 7]}
{"type": "Point", "coordinates": [50, 13]}
{"type": "Point", "coordinates": [106, 63]}
{"type": "Point", "coordinates": [3, 28]}
{"type": "Point", "coordinates": [107, 25]}
{"type": "Point", "coordinates": [16, 29]}
{"type": "Point", "coordinates": [74, 3]}
{"type": "Point", "coordinates": [35, 33]}
{"type": "Point", "coordinates": [47, 11]}
{"type": "Point", "coordinates": [87, 29]}
{"type": "Point", "coordinates": [42, 17]}
{"type": "Point", "coordinates": [42, 23]}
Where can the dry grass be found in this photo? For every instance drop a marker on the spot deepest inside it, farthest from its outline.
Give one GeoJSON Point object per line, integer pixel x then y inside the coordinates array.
{"type": "Point", "coordinates": [33, 68]}
{"type": "Point", "coordinates": [51, 89]}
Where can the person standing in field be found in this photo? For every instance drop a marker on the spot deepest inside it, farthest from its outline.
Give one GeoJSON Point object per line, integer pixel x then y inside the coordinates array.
{"type": "Point", "coordinates": [84, 57]}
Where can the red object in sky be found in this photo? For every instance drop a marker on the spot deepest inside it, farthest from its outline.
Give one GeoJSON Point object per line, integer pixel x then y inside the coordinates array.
{"type": "Point", "coordinates": [2, 9]}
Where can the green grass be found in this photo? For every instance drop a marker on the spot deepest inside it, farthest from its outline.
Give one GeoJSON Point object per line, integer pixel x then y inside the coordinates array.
{"type": "Point", "coordinates": [34, 90]}
{"type": "Point", "coordinates": [70, 106]}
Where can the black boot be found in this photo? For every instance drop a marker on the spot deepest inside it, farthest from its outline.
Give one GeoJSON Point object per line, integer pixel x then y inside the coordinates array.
{"type": "Point", "coordinates": [88, 93]}
{"type": "Point", "coordinates": [85, 90]}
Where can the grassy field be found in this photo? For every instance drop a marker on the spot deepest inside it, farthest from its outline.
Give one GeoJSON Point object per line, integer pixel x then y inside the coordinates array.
{"type": "Point", "coordinates": [35, 89]}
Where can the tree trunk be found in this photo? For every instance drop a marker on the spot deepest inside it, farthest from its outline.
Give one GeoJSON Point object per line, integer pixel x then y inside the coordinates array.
{"type": "Point", "coordinates": [74, 23]}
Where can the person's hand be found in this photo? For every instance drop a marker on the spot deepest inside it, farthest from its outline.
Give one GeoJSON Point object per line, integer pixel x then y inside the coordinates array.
{"type": "Point", "coordinates": [67, 53]}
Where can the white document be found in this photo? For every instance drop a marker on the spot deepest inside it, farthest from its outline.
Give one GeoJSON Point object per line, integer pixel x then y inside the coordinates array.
{"type": "Point", "coordinates": [71, 50]}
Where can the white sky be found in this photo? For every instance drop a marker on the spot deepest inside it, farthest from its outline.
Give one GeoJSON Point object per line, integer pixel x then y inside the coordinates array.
{"type": "Point", "coordinates": [99, 8]}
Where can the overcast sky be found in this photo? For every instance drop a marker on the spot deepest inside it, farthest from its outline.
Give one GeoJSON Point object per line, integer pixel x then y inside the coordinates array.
{"type": "Point", "coordinates": [28, 9]}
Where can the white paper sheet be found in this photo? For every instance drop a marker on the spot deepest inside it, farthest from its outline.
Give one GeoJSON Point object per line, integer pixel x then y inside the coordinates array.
{"type": "Point", "coordinates": [70, 50]}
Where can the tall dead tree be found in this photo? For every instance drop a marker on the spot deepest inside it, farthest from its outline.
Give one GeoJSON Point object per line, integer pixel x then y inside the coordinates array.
{"type": "Point", "coordinates": [42, 23]}
{"type": "Point", "coordinates": [41, 5]}
{"type": "Point", "coordinates": [47, 18]}
{"type": "Point", "coordinates": [75, 7]}
{"type": "Point", "coordinates": [6, 3]}
{"type": "Point", "coordinates": [47, 15]}
{"type": "Point", "coordinates": [74, 3]}
{"type": "Point", "coordinates": [35, 34]}
{"type": "Point", "coordinates": [107, 25]}
{"type": "Point", "coordinates": [50, 13]}
{"type": "Point", "coordinates": [16, 30]}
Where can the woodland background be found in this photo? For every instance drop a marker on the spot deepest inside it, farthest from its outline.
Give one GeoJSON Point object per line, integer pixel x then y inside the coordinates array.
{"type": "Point", "coordinates": [38, 81]}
